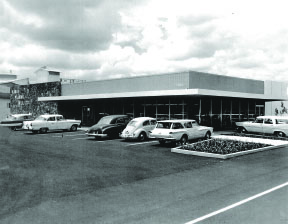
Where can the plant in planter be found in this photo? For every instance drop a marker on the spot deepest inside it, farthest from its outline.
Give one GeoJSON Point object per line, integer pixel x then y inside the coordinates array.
{"type": "Point", "coordinates": [222, 146]}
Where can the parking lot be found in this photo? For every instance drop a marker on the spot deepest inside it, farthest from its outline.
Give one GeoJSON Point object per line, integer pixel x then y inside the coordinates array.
{"type": "Point", "coordinates": [67, 177]}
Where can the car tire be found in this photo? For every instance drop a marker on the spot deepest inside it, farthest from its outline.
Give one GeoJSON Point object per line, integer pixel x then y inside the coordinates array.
{"type": "Point", "coordinates": [183, 140]}
{"type": "Point", "coordinates": [242, 130]}
{"type": "Point", "coordinates": [162, 142]}
{"type": "Point", "coordinates": [43, 130]}
{"type": "Point", "coordinates": [142, 136]}
{"type": "Point", "coordinates": [280, 134]}
{"type": "Point", "coordinates": [207, 135]}
{"type": "Point", "coordinates": [73, 128]}
{"type": "Point", "coordinates": [34, 131]}
{"type": "Point", "coordinates": [13, 128]}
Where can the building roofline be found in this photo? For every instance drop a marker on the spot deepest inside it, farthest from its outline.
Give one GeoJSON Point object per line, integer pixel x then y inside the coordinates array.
{"type": "Point", "coordinates": [11, 83]}
{"type": "Point", "coordinates": [178, 92]}
{"type": "Point", "coordinates": [170, 73]}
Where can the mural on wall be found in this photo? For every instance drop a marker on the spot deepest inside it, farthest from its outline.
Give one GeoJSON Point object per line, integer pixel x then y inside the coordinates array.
{"type": "Point", "coordinates": [24, 98]}
{"type": "Point", "coordinates": [282, 110]}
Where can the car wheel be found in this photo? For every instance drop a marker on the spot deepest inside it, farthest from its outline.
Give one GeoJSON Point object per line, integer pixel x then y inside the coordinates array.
{"type": "Point", "coordinates": [43, 130]}
{"type": "Point", "coordinates": [142, 136]}
{"type": "Point", "coordinates": [162, 142]}
{"type": "Point", "coordinates": [183, 140]}
{"type": "Point", "coordinates": [73, 128]}
{"type": "Point", "coordinates": [34, 131]}
{"type": "Point", "coordinates": [242, 130]}
{"type": "Point", "coordinates": [13, 128]}
{"type": "Point", "coordinates": [207, 135]}
{"type": "Point", "coordinates": [280, 134]}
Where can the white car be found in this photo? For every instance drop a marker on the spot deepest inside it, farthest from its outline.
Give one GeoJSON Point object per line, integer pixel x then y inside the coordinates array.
{"type": "Point", "coordinates": [47, 122]}
{"type": "Point", "coordinates": [139, 128]}
{"type": "Point", "coordinates": [276, 125]}
{"type": "Point", "coordinates": [180, 131]}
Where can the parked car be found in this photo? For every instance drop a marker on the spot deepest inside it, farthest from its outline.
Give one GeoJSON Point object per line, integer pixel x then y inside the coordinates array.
{"type": "Point", "coordinates": [180, 131]}
{"type": "Point", "coordinates": [276, 125]}
{"type": "Point", "coordinates": [109, 126]}
{"type": "Point", "coordinates": [15, 121]}
{"type": "Point", "coordinates": [139, 128]}
{"type": "Point", "coordinates": [47, 122]}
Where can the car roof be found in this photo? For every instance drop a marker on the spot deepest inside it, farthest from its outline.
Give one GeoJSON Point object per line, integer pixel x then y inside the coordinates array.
{"type": "Point", "coordinates": [143, 118]}
{"type": "Point", "coordinates": [116, 116]}
{"type": "Point", "coordinates": [174, 121]}
{"type": "Point", "coordinates": [50, 115]}
{"type": "Point", "coordinates": [273, 116]}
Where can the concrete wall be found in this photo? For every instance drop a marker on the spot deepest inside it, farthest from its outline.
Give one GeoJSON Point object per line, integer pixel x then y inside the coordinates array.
{"type": "Point", "coordinates": [4, 101]}
{"type": "Point", "coordinates": [4, 109]}
{"type": "Point", "coordinates": [225, 83]}
{"type": "Point", "coordinates": [134, 84]}
{"type": "Point", "coordinates": [172, 81]}
{"type": "Point", "coordinates": [42, 75]}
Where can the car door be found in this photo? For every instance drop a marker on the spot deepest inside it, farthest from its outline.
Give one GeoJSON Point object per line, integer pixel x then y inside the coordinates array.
{"type": "Point", "coordinates": [268, 126]}
{"type": "Point", "coordinates": [120, 125]}
{"type": "Point", "coordinates": [256, 126]}
{"type": "Point", "coordinates": [61, 123]}
{"type": "Point", "coordinates": [190, 130]}
{"type": "Point", "coordinates": [52, 123]}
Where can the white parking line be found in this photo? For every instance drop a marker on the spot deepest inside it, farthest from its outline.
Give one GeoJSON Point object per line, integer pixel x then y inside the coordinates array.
{"type": "Point", "coordinates": [141, 143]}
{"type": "Point", "coordinates": [237, 204]}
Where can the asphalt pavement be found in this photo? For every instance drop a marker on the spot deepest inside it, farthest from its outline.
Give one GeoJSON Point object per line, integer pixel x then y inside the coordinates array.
{"type": "Point", "coordinates": [67, 177]}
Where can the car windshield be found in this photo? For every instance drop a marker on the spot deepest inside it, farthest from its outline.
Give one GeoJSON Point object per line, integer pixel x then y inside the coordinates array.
{"type": "Point", "coordinates": [41, 118]}
{"type": "Point", "coordinates": [105, 120]}
{"type": "Point", "coordinates": [164, 125]}
{"type": "Point", "coordinates": [132, 123]}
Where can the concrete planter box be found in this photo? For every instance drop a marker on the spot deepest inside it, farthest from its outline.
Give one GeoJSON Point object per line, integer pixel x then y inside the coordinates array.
{"type": "Point", "coordinates": [274, 145]}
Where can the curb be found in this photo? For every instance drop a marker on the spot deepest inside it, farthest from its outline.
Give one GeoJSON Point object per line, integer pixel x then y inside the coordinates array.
{"type": "Point", "coordinates": [227, 156]}
{"type": "Point", "coordinates": [276, 145]}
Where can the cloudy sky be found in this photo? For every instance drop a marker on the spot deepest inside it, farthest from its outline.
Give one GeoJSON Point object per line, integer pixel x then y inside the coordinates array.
{"type": "Point", "coordinates": [99, 39]}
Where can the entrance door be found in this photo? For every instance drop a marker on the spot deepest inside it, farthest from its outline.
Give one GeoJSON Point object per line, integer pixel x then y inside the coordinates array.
{"type": "Point", "coordinates": [259, 110]}
{"type": "Point", "coordinates": [87, 115]}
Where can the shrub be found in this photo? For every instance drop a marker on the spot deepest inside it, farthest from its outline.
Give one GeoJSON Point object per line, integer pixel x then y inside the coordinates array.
{"type": "Point", "coordinates": [220, 146]}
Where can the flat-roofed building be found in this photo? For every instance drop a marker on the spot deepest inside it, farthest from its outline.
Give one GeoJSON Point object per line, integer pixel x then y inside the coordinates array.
{"type": "Point", "coordinates": [213, 100]}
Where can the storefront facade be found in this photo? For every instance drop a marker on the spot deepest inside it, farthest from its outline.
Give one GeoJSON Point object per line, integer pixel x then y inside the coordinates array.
{"type": "Point", "coordinates": [212, 100]}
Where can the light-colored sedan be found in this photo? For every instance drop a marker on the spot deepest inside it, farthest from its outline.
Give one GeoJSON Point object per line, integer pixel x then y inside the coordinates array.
{"type": "Point", "coordinates": [276, 125]}
{"type": "Point", "coordinates": [180, 131]}
{"type": "Point", "coordinates": [47, 122]}
{"type": "Point", "coordinates": [139, 128]}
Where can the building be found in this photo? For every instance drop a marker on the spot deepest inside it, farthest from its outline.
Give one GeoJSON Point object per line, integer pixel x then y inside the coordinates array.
{"type": "Point", "coordinates": [213, 100]}
{"type": "Point", "coordinates": [45, 74]}
{"type": "Point", "coordinates": [5, 94]}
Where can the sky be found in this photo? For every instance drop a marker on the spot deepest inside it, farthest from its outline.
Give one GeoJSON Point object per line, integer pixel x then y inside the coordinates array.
{"type": "Point", "coordinates": [102, 39]}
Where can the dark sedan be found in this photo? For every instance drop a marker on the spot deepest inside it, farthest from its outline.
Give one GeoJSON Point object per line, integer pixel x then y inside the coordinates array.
{"type": "Point", "coordinates": [15, 121]}
{"type": "Point", "coordinates": [109, 126]}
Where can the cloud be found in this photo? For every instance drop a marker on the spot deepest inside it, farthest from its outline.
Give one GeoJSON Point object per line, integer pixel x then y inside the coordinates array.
{"type": "Point", "coordinates": [96, 39]}
{"type": "Point", "coordinates": [76, 25]}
